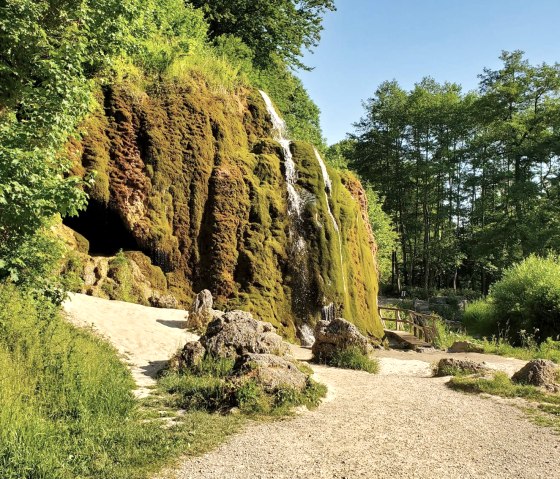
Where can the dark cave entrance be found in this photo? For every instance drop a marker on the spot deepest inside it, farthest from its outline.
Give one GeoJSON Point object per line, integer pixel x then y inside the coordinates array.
{"type": "Point", "coordinates": [103, 228]}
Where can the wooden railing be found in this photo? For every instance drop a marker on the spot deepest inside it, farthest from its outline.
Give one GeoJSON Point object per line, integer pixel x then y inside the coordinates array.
{"type": "Point", "coordinates": [420, 325]}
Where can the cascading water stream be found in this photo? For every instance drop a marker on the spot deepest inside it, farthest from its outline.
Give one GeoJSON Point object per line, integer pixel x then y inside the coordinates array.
{"type": "Point", "coordinates": [295, 201]}
{"type": "Point", "coordinates": [328, 189]}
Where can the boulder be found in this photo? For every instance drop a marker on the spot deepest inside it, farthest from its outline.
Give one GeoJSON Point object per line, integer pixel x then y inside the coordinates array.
{"type": "Point", "coordinates": [452, 366]}
{"type": "Point", "coordinates": [201, 312]}
{"type": "Point", "coordinates": [191, 355]}
{"type": "Point", "coordinates": [166, 301]}
{"type": "Point", "coordinates": [465, 347]}
{"type": "Point", "coordinates": [540, 373]}
{"type": "Point", "coordinates": [270, 371]}
{"type": "Point", "coordinates": [335, 335]}
{"type": "Point", "coordinates": [237, 333]}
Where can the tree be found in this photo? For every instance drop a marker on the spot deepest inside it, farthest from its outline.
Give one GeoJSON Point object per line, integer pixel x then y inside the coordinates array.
{"type": "Point", "coordinates": [273, 29]}
{"type": "Point", "coordinates": [470, 180]}
{"type": "Point", "coordinates": [48, 52]}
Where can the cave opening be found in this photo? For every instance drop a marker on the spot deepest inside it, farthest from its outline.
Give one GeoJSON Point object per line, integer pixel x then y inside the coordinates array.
{"type": "Point", "coordinates": [103, 228]}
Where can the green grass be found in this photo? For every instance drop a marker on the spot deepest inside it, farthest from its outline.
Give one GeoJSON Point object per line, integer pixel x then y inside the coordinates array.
{"type": "Point", "coordinates": [210, 386]}
{"type": "Point", "coordinates": [67, 408]}
{"type": "Point", "coordinates": [545, 410]}
{"type": "Point", "coordinates": [548, 349]}
{"type": "Point", "coordinates": [502, 385]}
{"type": "Point", "coordinates": [353, 358]}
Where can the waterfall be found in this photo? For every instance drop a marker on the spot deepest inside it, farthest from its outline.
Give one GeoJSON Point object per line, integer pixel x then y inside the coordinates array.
{"type": "Point", "coordinates": [328, 189]}
{"type": "Point", "coordinates": [295, 202]}
{"type": "Point", "coordinates": [328, 313]}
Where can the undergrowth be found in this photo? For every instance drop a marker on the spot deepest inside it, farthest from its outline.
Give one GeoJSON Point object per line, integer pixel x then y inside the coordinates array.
{"type": "Point", "coordinates": [211, 386]}
{"type": "Point", "coordinates": [501, 385]}
{"type": "Point", "coordinates": [529, 349]}
{"type": "Point", "coordinates": [352, 358]}
{"type": "Point", "coordinates": [66, 404]}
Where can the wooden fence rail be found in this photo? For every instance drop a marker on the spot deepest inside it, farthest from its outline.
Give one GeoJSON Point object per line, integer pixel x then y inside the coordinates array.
{"type": "Point", "coordinates": [420, 325]}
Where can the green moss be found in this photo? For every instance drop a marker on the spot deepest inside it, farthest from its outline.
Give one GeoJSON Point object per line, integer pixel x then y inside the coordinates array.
{"type": "Point", "coordinates": [198, 181]}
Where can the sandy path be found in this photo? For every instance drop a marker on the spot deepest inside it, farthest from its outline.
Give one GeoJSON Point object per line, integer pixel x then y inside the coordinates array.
{"type": "Point", "coordinates": [146, 337]}
{"type": "Point", "coordinates": [391, 425]}
{"type": "Point", "coordinates": [400, 423]}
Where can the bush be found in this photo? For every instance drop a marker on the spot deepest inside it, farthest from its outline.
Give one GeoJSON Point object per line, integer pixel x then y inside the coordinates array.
{"type": "Point", "coordinates": [480, 318]}
{"type": "Point", "coordinates": [353, 358]}
{"type": "Point", "coordinates": [525, 303]}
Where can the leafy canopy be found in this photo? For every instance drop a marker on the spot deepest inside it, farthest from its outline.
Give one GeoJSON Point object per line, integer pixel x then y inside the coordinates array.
{"type": "Point", "coordinates": [271, 28]}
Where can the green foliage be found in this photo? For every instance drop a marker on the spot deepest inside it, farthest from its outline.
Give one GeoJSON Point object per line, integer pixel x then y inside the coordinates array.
{"type": "Point", "coordinates": [469, 179]}
{"type": "Point", "coordinates": [353, 358]}
{"type": "Point", "coordinates": [524, 303]}
{"type": "Point", "coordinates": [480, 318]}
{"type": "Point", "coordinates": [527, 298]}
{"type": "Point", "coordinates": [501, 385]}
{"type": "Point", "coordinates": [67, 408]}
{"type": "Point", "coordinates": [385, 235]}
{"type": "Point", "coordinates": [212, 386]}
{"type": "Point", "coordinates": [272, 30]}
{"type": "Point", "coordinates": [50, 51]}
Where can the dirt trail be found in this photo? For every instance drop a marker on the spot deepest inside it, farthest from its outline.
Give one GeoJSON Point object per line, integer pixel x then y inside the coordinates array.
{"type": "Point", "coordinates": [397, 424]}
{"type": "Point", "coordinates": [400, 423]}
{"type": "Point", "coordinates": [146, 337]}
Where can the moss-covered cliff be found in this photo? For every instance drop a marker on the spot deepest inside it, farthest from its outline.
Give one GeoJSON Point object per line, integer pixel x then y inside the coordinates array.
{"type": "Point", "coordinates": [191, 177]}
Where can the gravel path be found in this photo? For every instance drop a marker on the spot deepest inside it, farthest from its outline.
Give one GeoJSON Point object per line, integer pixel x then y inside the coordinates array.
{"type": "Point", "coordinates": [398, 424]}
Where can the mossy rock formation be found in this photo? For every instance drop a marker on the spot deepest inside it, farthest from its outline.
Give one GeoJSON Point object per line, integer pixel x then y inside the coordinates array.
{"type": "Point", "coordinates": [192, 178]}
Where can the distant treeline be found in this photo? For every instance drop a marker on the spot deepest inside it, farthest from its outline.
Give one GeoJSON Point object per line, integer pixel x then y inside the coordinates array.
{"type": "Point", "coordinates": [471, 180]}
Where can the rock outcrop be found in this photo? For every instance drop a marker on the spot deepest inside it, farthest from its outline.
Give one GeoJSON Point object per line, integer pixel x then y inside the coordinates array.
{"type": "Point", "coordinates": [271, 371]}
{"type": "Point", "coordinates": [193, 179]}
{"type": "Point", "coordinates": [191, 355]}
{"type": "Point", "coordinates": [237, 333]}
{"type": "Point", "coordinates": [201, 312]}
{"type": "Point", "coordinates": [260, 354]}
{"type": "Point", "coordinates": [541, 373]}
{"type": "Point", "coordinates": [452, 366]}
{"type": "Point", "coordinates": [465, 347]}
{"type": "Point", "coordinates": [336, 335]}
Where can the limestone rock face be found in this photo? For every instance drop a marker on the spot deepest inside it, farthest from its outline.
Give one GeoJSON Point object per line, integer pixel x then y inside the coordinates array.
{"type": "Point", "coordinates": [201, 312]}
{"type": "Point", "coordinates": [237, 333]}
{"type": "Point", "coordinates": [465, 347]}
{"type": "Point", "coordinates": [189, 356]}
{"type": "Point", "coordinates": [335, 335]}
{"type": "Point", "coordinates": [540, 373]}
{"type": "Point", "coordinates": [193, 179]}
{"type": "Point", "coordinates": [271, 371]}
{"type": "Point", "coordinates": [451, 366]}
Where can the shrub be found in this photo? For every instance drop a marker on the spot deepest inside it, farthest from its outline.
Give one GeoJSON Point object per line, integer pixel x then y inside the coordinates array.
{"type": "Point", "coordinates": [527, 299]}
{"type": "Point", "coordinates": [480, 318]}
{"type": "Point", "coordinates": [353, 358]}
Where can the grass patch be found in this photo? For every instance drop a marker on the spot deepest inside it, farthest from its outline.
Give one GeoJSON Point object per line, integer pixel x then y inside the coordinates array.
{"type": "Point", "coordinates": [67, 408]}
{"type": "Point", "coordinates": [352, 358]}
{"type": "Point", "coordinates": [548, 349]}
{"type": "Point", "coordinates": [545, 413]}
{"type": "Point", "coordinates": [502, 385]}
{"type": "Point", "coordinates": [210, 386]}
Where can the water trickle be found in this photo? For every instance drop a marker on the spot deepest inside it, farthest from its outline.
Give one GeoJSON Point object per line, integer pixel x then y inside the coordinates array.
{"type": "Point", "coordinates": [307, 336]}
{"type": "Point", "coordinates": [328, 313]}
{"type": "Point", "coordinates": [295, 202]}
{"type": "Point", "coordinates": [328, 189]}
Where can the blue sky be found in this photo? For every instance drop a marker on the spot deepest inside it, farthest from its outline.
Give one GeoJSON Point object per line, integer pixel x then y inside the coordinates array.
{"type": "Point", "coordinates": [369, 41]}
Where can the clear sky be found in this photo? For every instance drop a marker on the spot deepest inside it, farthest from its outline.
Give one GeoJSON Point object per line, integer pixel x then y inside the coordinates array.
{"type": "Point", "coordinates": [369, 41]}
